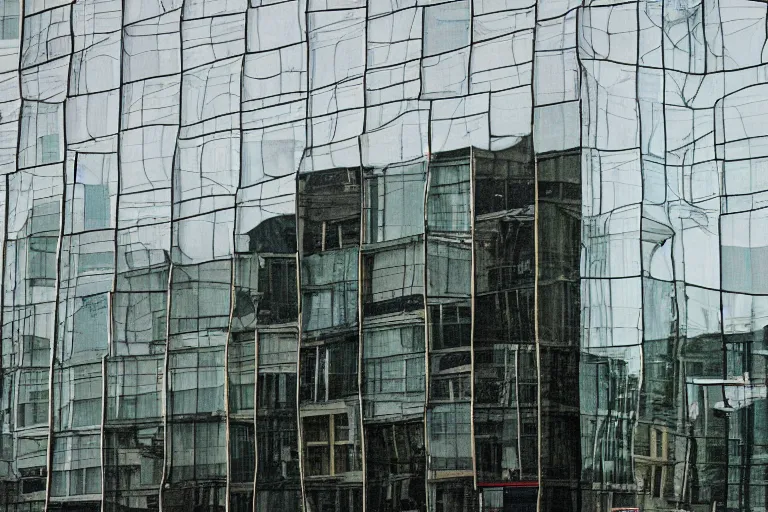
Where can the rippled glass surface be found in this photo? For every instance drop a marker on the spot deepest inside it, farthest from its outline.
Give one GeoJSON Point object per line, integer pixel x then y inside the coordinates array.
{"type": "Point", "coordinates": [383, 255]}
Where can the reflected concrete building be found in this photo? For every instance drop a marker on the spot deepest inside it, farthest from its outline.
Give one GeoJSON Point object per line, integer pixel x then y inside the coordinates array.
{"type": "Point", "coordinates": [383, 255]}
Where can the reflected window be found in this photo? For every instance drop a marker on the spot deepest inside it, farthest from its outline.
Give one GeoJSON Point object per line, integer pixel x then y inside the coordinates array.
{"type": "Point", "coordinates": [37, 351]}
{"type": "Point", "coordinates": [329, 206]}
{"type": "Point", "coordinates": [329, 283]}
{"type": "Point", "coordinates": [277, 390]}
{"type": "Point", "coordinates": [278, 448]}
{"type": "Point", "coordinates": [277, 283]}
{"type": "Point", "coordinates": [134, 386]}
{"type": "Point", "coordinates": [394, 280]}
{"type": "Point", "coordinates": [96, 213]}
{"type": "Point", "coordinates": [335, 500]}
{"type": "Point", "coordinates": [33, 398]}
{"type": "Point", "coordinates": [453, 497]}
{"type": "Point", "coordinates": [197, 382]}
{"type": "Point", "coordinates": [448, 199]}
{"type": "Point", "coordinates": [394, 202]}
{"type": "Point", "coordinates": [48, 148]}
{"type": "Point", "coordinates": [198, 451]}
{"type": "Point", "coordinates": [449, 269]}
{"type": "Point", "coordinates": [76, 465]}
{"type": "Point", "coordinates": [446, 27]}
{"type": "Point", "coordinates": [41, 262]}
{"type": "Point", "coordinates": [329, 372]}
{"type": "Point", "coordinates": [94, 261]}
{"type": "Point", "coordinates": [330, 448]}
{"type": "Point", "coordinates": [450, 326]}
{"type": "Point", "coordinates": [277, 349]}
{"type": "Point", "coordinates": [450, 437]}
{"type": "Point", "coordinates": [241, 376]}
{"type": "Point", "coordinates": [277, 371]}
{"type": "Point", "coordinates": [243, 453]}
{"type": "Point", "coordinates": [9, 19]}
{"type": "Point", "coordinates": [90, 325]}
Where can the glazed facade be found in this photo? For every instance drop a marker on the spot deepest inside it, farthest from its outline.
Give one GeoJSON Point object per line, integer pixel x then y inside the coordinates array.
{"type": "Point", "coordinates": [390, 256]}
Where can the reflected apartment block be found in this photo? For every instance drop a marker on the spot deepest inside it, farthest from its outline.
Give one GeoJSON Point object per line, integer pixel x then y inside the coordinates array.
{"type": "Point", "coordinates": [506, 391]}
{"type": "Point", "coordinates": [349, 255]}
{"type": "Point", "coordinates": [393, 336]}
{"type": "Point", "coordinates": [330, 422]}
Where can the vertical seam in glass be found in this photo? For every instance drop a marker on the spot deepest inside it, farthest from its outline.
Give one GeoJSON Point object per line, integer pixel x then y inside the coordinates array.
{"type": "Point", "coordinates": [110, 301]}
{"type": "Point", "coordinates": [427, 177]}
{"type": "Point", "coordinates": [722, 193]}
{"type": "Point", "coordinates": [227, 341]}
{"type": "Point", "coordinates": [169, 299]}
{"type": "Point", "coordinates": [256, 328]}
{"type": "Point", "coordinates": [57, 286]}
{"type": "Point", "coordinates": [255, 411]}
{"type": "Point", "coordinates": [536, 258]}
{"type": "Point", "coordinates": [233, 277]}
{"type": "Point", "coordinates": [3, 252]}
{"type": "Point", "coordinates": [517, 408]}
{"type": "Point", "coordinates": [641, 373]}
{"type": "Point", "coordinates": [360, 284]}
{"type": "Point", "coordinates": [7, 202]}
{"type": "Point", "coordinates": [472, 293]}
{"type": "Point", "coordinates": [104, 389]}
{"type": "Point", "coordinates": [537, 340]}
{"type": "Point", "coordinates": [166, 379]}
{"type": "Point", "coordinates": [306, 157]}
{"type": "Point", "coordinates": [361, 276]}
{"type": "Point", "coordinates": [299, 432]}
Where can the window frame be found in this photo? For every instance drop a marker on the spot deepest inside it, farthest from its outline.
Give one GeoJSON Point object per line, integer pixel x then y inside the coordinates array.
{"type": "Point", "coordinates": [331, 445]}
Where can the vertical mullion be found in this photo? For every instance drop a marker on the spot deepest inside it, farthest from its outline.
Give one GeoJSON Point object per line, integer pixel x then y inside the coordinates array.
{"type": "Point", "coordinates": [332, 444]}
{"type": "Point", "coordinates": [57, 284]}
{"type": "Point", "coordinates": [472, 292]}
{"type": "Point", "coordinates": [256, 390]}
{"type": "Point", "coordinates": [427, 326]}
